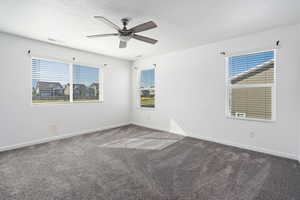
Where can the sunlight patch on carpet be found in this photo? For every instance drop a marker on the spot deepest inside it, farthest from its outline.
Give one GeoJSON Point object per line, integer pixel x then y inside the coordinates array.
{"type": "Point", "coordinates": [141, 143]}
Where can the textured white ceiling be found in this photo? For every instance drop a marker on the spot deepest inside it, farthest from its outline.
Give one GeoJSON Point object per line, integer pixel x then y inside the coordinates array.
{"type": "Point", "coordinates": [182, 24]}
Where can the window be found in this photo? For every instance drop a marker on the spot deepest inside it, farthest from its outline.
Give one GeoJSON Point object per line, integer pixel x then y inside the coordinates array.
{"type": "Point", "coordinates": [85, 83]}
{"type": "Point", "coordinates": [52, 83]}
{"type": "Point", "coordinates": [250, 81]}
{"type": "Point", "coordinates": [147, 88]}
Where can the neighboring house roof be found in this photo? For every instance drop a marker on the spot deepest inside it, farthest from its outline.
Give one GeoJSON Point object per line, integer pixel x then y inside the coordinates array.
{"type": "Point", "coordinates": [252, 71]}
{"type": "Point", "coordinates": [49, 85]}
{"type": "Point", "coordinates": [79, 86]}
{"type": "Point", "coordinates": [96, 85]}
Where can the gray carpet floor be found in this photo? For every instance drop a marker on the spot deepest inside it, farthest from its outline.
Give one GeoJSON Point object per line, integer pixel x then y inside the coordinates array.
{"type": "Point", "coordinates": [119, 164]}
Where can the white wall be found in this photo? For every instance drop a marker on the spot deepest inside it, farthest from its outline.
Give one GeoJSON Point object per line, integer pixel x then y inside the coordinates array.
{"type": "Point", "coordinates": [299, 148]}
{"type": "Point", "coordinates": [299, 145]}
{"type": "Point", "coordinates": [190, 94]}
{"type": "Point", "coordinates": [21, 122]}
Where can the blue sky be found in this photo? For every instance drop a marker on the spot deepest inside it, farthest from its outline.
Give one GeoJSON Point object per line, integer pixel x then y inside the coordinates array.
{"type": "Point", "coordinates": [51, 71]}
{"type": "Point", "coordinates": [238, 64]}
{"type": "Point", "coordinates": [147, 78]}
{"type": "Point", "coordinates": [85, 75]}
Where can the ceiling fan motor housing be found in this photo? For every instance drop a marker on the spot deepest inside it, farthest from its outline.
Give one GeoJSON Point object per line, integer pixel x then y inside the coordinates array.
{"type": "Point", "coordinates": [125, 22]}
{"type": "Point", "coordinates": [125, 35]}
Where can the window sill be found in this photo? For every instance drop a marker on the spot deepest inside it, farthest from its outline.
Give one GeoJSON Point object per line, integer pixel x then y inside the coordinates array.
{"type": "Point", "coordinates": [145, 108]}
{"type": "Point", "coordinates": [65, 103]}
{"type": "Point", "coordinates": [251, 119]}
{"type": "Point", "coordinates": [96, 101]}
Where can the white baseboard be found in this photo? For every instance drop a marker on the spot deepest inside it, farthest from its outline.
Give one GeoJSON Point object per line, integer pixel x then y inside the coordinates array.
{"type": "Point", "coordinates": [228, 143]}
{"type": "Point", "coordinates": [252, 148]}
{"type": "Point", "coordinates": [54, 138]}
{"type": "Point", "coordinates": [151, 127]}
{"type": "Point", "coordinates": [242, 146]}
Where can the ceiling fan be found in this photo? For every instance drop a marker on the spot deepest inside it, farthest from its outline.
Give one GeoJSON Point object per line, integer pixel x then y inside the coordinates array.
{"type": "Point", "coordinates": [126, 34]}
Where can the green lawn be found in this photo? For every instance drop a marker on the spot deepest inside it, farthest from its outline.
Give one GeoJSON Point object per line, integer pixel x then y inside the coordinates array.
{"type": "Point", "coordinates": [62, 101]}
{"type": "Point", "coordinates": [147, 102]}
{"type": "Point", "coordinates": [49, 101]}
{"type": "Point", "coordinates": [78, 100]}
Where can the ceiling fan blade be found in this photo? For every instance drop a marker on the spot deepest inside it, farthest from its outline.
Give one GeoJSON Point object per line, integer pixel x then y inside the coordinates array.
{"type": "Point", "coordinates": [143, 27]}
{"type": "Point", "coordinates": [144, 39]}
{"type": "Point", "coordinates": [108, 22]}
{"type": "Point", "coordinates": [102, 35]}
{"type": "Point", "coordinates": [122, 44]}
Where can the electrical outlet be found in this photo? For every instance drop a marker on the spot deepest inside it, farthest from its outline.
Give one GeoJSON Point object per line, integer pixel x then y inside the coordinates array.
{"type": "Point", "coordinates": [252, 134]}
{"type": "Point", "coordinates": [148, 117]}
{"type": "Point", "coordinates": [52, 129]}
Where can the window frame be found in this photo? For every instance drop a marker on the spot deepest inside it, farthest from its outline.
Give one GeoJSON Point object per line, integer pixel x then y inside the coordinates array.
{"type": "Point", "coordinates": [70, 64]}
{"type": "Point", "coordinates": [138, 89]}
{"type": "Point", "coordinates": [228, 86]}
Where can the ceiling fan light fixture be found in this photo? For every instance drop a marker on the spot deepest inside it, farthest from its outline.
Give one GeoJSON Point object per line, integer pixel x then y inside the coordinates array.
{"type": "Point", "coordinates": [125, 38]}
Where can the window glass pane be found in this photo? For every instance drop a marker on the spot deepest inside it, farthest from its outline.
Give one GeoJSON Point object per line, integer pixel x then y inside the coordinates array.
{"type": "Point", "coordinates": [85, 83]}
{"type": "Point", "coordinates": [147, 88]}
{"type": "Point", "coordinates": [50, 81]}
{"type": "Point", "coordinates": [147, 78]}
{"type": "Point", "coordinates": [256, 68]}
{"type": "Point", "coordinates": [251, 102]}
{"type": "Point", "coordinates": [147, 98]}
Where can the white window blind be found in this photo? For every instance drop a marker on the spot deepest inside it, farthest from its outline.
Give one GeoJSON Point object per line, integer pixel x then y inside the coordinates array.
{"type": "Point", "coordinates": [147, 88]}
{"type": "Point", "coordinates": [50, 81]}
{"type": "Point", "coordinates": [250, 81]}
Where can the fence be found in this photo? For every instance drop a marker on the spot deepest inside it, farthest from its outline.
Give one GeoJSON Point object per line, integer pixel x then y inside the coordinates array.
{"type": "Point", "coordinates": [50, 98]}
